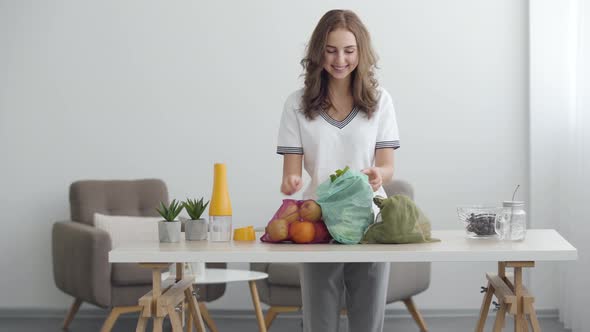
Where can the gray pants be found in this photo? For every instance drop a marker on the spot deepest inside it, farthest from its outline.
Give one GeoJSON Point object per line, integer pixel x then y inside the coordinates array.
{"type": "Point", "coordinates": [365, 288]}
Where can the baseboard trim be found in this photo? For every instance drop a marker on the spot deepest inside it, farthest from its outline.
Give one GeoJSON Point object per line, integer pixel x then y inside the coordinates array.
{"type": "Point", "coordinates": [34, 313]}
{"type": "Point", "coordinates": [389, 313]}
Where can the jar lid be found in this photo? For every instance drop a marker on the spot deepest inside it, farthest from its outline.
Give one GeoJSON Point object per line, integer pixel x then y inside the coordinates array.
{"type": "Point", "coordinates": [512, 203]}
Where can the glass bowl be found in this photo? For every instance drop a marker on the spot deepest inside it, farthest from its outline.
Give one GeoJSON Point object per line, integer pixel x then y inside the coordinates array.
{"type": "Point", "coordinates": [478, 220]}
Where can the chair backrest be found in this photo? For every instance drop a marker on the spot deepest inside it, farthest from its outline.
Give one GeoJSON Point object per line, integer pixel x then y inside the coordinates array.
{"type": "Point", "coordinates": [116, 197]}
{"type": "Point", "coordinates": [399, 187]}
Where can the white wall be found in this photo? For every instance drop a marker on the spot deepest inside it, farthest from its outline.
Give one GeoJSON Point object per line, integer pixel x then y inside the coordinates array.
{"type": "Point", "coordinates": [136, 89]}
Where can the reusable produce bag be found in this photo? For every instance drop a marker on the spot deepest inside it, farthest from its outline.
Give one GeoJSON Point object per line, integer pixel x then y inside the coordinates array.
{"type": "Point", "coordinates": [401, 221]}
{"type": "Point", "coordinates": [284, 217]}
{"type": "Point", "coordinates": [347, 205]}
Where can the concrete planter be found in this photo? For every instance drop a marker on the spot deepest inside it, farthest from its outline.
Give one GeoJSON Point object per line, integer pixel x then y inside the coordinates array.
{"type": "Point", "coordinates": [196, 230]}
{"type": "Point", "coordinates": [169, 231]}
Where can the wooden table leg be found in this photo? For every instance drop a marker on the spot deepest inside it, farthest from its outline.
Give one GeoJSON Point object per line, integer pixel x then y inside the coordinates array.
{"type": "Point", "coordinates": [150, 309]}
{"type": "Point", "coordinates": [533, 317]}
{"type": "Point", "coordinates": [195, 312]}
{"type": "Point", "coordinates": [179, 277]}
{"type": "Point", "coordinates": [158, 321]}
{"type": "Point", "coordinates": [156, 288]}
{"type": "Point", "coordinates": [485, 308]}
{"type": "Point", "coordinates": [520, 323]}
{"type": "Point", "coordinates": [514, 298]}
{"type": "Point", "coordinates": [257, 307]}
{"type": "Point", "coordinates": [189, 318]}
{"type": "Point", "coordinates": [209, 322]}
{"type": "Point", "coordinates": [500, 316]}
{"type": "Point", "coordinates": [156, 292]}
{"type": "Point", "coordinates": [141, 323]}
{"type": "Point", "coordinates": [174, 319]}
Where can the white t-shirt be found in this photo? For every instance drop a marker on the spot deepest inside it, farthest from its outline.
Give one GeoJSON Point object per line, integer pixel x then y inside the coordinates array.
{"type": "Point", "coordinates": [328, 145]}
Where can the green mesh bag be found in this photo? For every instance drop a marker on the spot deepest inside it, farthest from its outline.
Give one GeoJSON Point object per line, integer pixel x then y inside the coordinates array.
{"type": "Point", "coordinates": [347, 206]}
{"type": "Point", "coordinates": [401, 222]}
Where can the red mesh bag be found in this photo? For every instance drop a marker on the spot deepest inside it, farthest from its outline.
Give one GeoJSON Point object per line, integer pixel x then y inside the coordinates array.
{"type": "Point", "coordinates": [291, 211]}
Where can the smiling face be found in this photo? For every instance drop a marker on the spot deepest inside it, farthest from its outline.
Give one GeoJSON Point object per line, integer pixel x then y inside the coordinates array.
{"type": "Point", "coordinates": [341, 54]}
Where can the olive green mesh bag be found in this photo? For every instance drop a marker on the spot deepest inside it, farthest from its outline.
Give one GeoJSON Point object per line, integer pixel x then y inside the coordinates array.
{"type": "Point", "coordinates": [400, 221]}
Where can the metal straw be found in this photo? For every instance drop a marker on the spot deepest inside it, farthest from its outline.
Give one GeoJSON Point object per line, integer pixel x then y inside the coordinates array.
{"type": "Point", "coordinates": [515, 190]}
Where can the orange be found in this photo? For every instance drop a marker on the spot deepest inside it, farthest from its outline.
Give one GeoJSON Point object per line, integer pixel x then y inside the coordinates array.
{"type": "Point", "coordinates": [302, 231]}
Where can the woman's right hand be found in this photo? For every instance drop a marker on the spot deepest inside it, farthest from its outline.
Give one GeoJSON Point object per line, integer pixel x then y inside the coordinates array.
{"type": "Point", "coordinates": [291, 184]}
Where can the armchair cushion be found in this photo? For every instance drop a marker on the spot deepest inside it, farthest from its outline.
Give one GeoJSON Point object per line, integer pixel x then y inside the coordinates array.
{"type": "Point", "coordinates": [283, 274]}
{"type": "Point", "coordinates": [116, 197]}
{"type": "Point", "coordinates": [126, 229]}
{"type": "Point", "coordinates": [407, 279]}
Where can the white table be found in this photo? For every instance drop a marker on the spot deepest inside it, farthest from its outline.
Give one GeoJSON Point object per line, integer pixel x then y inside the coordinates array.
{"type": "Point", "coordinates": [221, 276]}
{"type": "Point", "coordinates": [539, 245]}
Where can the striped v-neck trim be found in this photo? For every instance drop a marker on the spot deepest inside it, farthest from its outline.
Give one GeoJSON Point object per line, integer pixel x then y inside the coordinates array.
{"type": "Point", "coordinates": [339, 124]}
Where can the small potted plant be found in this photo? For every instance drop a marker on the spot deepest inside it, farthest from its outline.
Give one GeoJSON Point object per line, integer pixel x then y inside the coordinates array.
{"type": "Point", "coordinates": [196, 228]}
{"type": "Point", "coordinates": [169, 228]}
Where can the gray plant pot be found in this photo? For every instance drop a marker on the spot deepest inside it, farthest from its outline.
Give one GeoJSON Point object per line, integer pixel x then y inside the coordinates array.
{"type": "Point", "coordinates": [196, 230]}
{"type": "Point", "coordinates": [169, 231]}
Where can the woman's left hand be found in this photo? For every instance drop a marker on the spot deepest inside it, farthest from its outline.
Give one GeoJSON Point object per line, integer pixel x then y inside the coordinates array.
{"type": "Point", "coordinates": [375, 178]}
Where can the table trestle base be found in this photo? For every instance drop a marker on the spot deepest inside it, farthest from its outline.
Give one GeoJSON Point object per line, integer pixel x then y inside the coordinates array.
{"type": "Point", "coordinates": [513, 298]}
{"type": "Point", "coordinates": [170, 298]}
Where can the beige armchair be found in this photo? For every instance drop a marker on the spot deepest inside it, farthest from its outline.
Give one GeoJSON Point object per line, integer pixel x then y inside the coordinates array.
{"type": "Point", "coordinates": [282, 290]}
{"type": "Point", "coordinates": [80, 251]}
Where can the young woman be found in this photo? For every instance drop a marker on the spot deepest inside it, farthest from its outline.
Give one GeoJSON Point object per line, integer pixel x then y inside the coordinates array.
{"type": "Point", "coordinates": [340, 118]}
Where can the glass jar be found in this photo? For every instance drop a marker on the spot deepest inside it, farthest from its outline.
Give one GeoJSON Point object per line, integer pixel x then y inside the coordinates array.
{"type": "Point", "coordinates": [511, 221]}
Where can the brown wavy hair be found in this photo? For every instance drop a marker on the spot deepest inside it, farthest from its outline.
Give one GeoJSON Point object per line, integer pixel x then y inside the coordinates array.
{"type": "Point", "coordinates": [363, 83]}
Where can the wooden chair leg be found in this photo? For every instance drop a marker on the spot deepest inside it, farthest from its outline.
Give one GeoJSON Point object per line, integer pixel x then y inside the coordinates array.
{"type": "Point", "coordinates": [114, 314]}
{"type": "Point", "coordinates": [416, 314]}
{"type": "Point", "coordinates": [270, 316]}
{"type": "Point", "coordinates": [273, 311]}
{"type": "Point", "coordinates": [71, 313]}
{"type": "Point", "coordinates": [110, 321]}
{"type": "Point", "coordinates": [207, 318]}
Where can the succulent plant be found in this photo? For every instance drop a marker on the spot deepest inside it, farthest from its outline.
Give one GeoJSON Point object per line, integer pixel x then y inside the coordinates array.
{"type": "Point", "coordinates": [170, 212]}
{"type": "Point", "coordinates": [195, 208]}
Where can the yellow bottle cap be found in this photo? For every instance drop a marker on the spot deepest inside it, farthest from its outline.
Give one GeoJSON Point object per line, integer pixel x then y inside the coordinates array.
{"type": "Point", "coordinates": [244, 234]}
